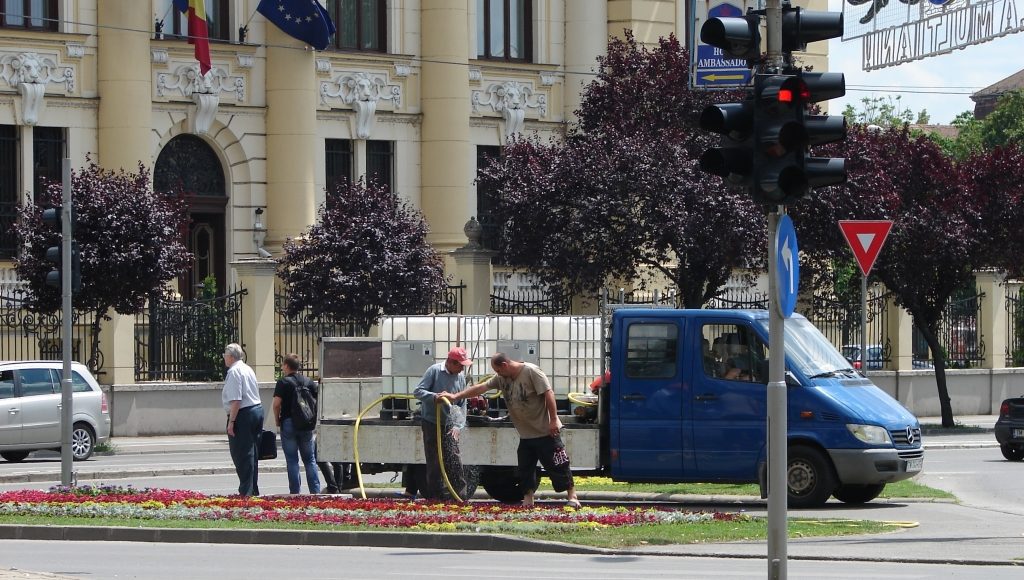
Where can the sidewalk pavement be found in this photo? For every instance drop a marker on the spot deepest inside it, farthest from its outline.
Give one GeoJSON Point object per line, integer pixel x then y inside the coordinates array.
{"type": "Point", "coordinates": [921, 531]}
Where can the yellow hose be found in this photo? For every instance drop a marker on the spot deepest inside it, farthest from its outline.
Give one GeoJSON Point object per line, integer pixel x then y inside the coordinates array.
{"type": "Point", "coordinates": [574, 397]}
{"type": "Point", "coordinates": [440, 454]}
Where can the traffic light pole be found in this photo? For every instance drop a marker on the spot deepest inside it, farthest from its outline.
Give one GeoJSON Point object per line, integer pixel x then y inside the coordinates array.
{"type": "Point", "coordinates": [66, 410]}
{"type": "Point", "coordinates": [778, 488]}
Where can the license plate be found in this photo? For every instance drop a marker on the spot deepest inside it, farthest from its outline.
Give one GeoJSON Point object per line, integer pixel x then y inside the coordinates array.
{"type": "Point", "coordinates": [1018, 433]}
{"type": "Point", "coordinates": [915, 464]}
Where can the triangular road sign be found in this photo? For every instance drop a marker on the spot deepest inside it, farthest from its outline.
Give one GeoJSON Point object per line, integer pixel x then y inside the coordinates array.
{"type": "Point", "coordinates": [866, 238]}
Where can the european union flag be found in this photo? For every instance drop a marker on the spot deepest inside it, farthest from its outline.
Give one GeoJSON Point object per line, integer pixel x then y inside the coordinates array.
{"type": "Point", "coordinates": [305, 20]}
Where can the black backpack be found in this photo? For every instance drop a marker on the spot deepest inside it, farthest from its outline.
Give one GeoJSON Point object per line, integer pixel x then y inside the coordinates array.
{"type": "Point", "coordinates": [304, 405]}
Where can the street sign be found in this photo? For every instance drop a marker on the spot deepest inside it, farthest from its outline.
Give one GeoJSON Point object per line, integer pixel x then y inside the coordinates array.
{"type": "Point", "coordinates": [713, 69]}
{"type": "Point", "coordinates": [787, 283]}
{"type": "Point", "coordinates": [865, 238]}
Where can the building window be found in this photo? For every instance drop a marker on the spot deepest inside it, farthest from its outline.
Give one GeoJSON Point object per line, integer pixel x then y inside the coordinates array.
{"type": "Point", "coordinates": [487, 199]}
{"type": "Point", "coordinates": [35, 14]}
{"type": "Point", "coordinates": [504, 29]}
{"type": "Point", "coordinates": [47, 158]}
{"type": "Point", "coordinates": [361, 24]}
{"type": "Point", "coordinates": [8, 189]}
{"type": "Point", "coordinates": [218, 20]}
{"type": "Point", "coordinates": [338, 161]}
{"type": "Point", "coordinates": [380, 163]}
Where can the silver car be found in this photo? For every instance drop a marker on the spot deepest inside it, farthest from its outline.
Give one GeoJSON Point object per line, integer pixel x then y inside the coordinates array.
{"type": "Point", "coordinates": [30, 409]}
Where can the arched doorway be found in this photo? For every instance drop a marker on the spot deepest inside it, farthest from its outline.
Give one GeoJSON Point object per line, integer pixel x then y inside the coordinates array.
{"type": "Point", "coordinates": [189, 165]}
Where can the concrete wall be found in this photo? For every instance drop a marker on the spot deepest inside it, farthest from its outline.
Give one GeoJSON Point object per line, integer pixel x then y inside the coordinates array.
{"type": "Point", "coordinates": [178, 409]}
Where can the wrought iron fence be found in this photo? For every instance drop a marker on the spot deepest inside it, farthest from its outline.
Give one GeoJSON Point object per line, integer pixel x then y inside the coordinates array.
{"type": "Point", "coordinates": [27, 335]}
{"type": "Point", "coordinates": [839, 321]}
{"type": "Point", "coordinates": [530, 301]}
{"type": "Point", "coordinates": [959, 332]}
{"type": "Point", "coordinates": [183, 340]}
{"type": "Point", "coordinates": [659, 296]}
{"type": "Point", "coordinates": [739, 297]}
{"type": "Point", "coordinates": [302, 334]}
{"type": "Point", "coordinates": [1014, 331]}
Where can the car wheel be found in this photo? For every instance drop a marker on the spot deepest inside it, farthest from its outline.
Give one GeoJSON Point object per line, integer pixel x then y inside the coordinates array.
{"type": "Point", "coordinates": [809, 477]}
{"type": "Point", "coordinates": [14, 456]}
{"type": "Point", "coordinates": [1009, 451]}
{"type": "Point", "coordinates": [858, 493]}
{"type": "Point", "coordinates": [83, 441]}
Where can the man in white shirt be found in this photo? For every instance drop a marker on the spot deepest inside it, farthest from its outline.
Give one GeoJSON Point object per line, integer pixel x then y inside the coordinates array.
{"type": "Point", "coordinates": [241, 400]}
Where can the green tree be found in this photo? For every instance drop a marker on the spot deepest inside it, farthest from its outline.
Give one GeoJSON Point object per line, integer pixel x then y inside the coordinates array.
{"type": "Point", "coordinates": [885, 112]}
{"type": "Point", "coordinates": [366, 257]}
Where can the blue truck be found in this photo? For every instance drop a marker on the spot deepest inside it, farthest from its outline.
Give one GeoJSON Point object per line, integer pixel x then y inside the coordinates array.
{"type": "Point", "coordinates": [684, 400]}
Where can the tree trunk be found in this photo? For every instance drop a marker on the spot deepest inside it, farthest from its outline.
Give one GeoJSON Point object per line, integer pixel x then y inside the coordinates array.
{"type": "Point", "coordinates": [939, 358]}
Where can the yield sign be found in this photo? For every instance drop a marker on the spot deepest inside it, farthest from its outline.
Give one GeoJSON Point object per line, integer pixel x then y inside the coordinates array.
{"type": "Point", "coordinates": [866, 238]}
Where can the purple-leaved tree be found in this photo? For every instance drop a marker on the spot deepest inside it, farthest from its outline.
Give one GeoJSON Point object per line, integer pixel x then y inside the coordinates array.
{"type": "Point", "coordinates": [366, 256]}
{"type": "Point", "coordinates": [622, 196]}
{"type": "Point", "coordinates": [130, 242]}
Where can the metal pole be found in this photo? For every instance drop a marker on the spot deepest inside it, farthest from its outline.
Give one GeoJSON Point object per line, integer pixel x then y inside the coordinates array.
{"type": "Point", "coordinates": [66, 411]}
{"type": "Point", "coordinates": [864, 323]}
{"type": "Point", "coordinates": [777, 420]}
{"type": "Point", "coordinates": [773, 28]}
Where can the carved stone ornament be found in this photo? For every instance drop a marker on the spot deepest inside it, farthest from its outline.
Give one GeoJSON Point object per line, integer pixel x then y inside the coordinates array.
{"type": "Point", "coordinates": [29, 73]}
{"type": "Point", "coordinates": [362, 92]}
{"type": "Point", "coordinates": [512, 99]}
{"type": "Point", "coordinates": [204, 91]}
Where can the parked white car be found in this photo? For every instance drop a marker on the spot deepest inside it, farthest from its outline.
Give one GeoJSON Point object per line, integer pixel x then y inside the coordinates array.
{"type": "Point", "coordinates": [30, 409]}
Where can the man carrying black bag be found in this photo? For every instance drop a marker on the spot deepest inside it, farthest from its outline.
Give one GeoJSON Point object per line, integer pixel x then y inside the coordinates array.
{"type": "Point", "coordinates": [295, 415]}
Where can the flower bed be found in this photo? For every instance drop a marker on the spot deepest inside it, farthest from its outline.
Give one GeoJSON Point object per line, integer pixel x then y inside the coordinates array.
{"type": "Point", "coordinates": [165, 504]}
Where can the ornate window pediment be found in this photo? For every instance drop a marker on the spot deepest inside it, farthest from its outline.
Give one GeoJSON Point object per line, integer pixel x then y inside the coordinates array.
{"type": "Point", "coordinates": [362, 92]}
{"type": "Point", "coordinates": [29, 73]}
{"type": "Point", "coordinates": [204, 90]}
{"type": "Point", "coordinates": [512, 99]}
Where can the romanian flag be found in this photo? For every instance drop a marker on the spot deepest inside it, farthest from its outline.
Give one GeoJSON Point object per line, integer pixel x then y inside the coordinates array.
{"type": "Point", "coordinates": [198, 34]}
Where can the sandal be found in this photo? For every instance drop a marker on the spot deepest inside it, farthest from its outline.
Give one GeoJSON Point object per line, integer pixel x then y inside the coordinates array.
{"type": "Point", "coordinates": [573, 503]}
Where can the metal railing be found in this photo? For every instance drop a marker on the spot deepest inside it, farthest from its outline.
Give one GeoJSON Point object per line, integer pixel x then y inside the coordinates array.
{"type": "Point", "coordinates": [27, 335]}
{"type": "Point", "coordinates": [959, 332]}
{"type": "Point", "coordinates": [839, 321]}
{"type": "Point", "coordinates": [183, 340]}
{"type": "Point", "coordinates": [530, 301]}
{"type": "Point", "coordinates": [1014, 331]}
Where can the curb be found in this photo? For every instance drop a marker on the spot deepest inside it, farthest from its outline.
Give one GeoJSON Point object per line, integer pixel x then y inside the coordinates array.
{"type": "Point", "coordinates": [408, 540]}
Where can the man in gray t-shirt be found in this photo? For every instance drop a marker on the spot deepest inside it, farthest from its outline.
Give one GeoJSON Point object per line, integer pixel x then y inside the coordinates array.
{"type": "Point", "coordinates": [443, 377]}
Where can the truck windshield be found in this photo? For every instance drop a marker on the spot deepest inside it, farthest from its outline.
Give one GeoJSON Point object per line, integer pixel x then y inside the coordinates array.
{"type": "Point", "coordinates": [809, 350]}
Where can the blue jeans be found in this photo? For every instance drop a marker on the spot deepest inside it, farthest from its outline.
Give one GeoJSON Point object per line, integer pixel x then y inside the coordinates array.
{"type": "Point", "coordinates": [295, 443]}
{"type": "Point", "coordinates": [243, 448]}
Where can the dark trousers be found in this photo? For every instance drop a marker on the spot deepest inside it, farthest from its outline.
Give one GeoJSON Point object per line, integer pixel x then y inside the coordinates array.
{"type": "Point", "coordinates": [243, 448]}
{"type": "Point", "coordinates": [550, 451]}
{"type": "Point", "coordinates": [436, 488]}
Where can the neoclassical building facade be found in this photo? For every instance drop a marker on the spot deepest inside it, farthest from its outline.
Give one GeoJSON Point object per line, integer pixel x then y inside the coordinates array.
{"type": "Point", "coordinates": [412, 92]}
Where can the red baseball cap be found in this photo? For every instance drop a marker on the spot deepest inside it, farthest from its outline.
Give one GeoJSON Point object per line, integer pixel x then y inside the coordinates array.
{"type": "Point", "coordinates": [458, 354]}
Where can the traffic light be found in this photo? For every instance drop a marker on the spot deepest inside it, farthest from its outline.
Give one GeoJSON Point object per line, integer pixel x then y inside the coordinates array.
{"type": "Point", "coordinates": [780, 139]}
{"type": "Point", "coordinates": [738, 37]}
{"type": "Point", "coordinates": [822, 129]}
{"type": "Point", "coordinates": [800, 27]}
{"type": "Point", "coordinates": [53, 218]}
{"type": "Point", "coordinates": [733, 160]}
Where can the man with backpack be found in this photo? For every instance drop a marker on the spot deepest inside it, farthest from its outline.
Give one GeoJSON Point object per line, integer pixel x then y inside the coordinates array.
{"type": "Point", "coordinates": [295, 413]}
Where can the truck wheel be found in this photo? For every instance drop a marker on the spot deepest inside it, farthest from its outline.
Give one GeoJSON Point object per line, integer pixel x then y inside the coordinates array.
{"type": "Point", "coordinates": [14, 456]}
{"type": "Point", "coordinates": [809, 477]}
{"type": "Point", "coordinates": [502, 484]}
{"type": "Point", "coordinates": [1012, 453]}
{"type": "Point", "coordinates": [858, 493]}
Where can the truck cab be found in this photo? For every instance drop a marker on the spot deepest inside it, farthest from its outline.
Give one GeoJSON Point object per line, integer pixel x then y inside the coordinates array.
{"type": "Point", "coordinates": [688, 402]}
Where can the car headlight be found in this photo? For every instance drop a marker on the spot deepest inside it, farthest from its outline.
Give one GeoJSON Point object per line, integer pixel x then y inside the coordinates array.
{"type": "Point", "coordinates": [871, 434]}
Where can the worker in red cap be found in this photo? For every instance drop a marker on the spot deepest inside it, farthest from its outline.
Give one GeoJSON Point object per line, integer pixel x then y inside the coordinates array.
{"type": "Point", "coordinates": [443, 377]}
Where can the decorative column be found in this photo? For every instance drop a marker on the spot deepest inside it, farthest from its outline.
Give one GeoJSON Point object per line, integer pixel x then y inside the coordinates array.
{"type": "Point", "coordinates": [901, 337]}
{"type": "Point", "coordinates": [994, 321]}
{"type": "Point", "coordinates": [586, 27]}
{"type": "Point", "coordinates": [292, 97]}
{"type": "Point", "coordinates": [447, 155]}
{"type": "Point", "coordinates": [124, 84]}
{"type": "Point", "coordinates": [123, 80]}
{"type": "Point", "coordinates": [257, 276]}
{"type": "Point", "coordinates": [473, 267]}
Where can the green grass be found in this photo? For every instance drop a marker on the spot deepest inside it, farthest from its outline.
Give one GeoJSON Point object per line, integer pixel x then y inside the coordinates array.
{"type": "Point", "coordinates": [753, 529]}
{"type": "Point", "coordinates": [901, 489]}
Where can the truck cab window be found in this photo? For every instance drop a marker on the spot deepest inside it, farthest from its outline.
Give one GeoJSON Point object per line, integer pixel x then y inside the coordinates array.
{"type": "Point", "coordinates": [735, 353]}
{"type": "Point", "coordinates": [651, 351]}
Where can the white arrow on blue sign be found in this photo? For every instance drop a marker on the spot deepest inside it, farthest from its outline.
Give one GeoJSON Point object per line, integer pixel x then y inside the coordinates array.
{"type": "Point", "coordinates": [787, 267]}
